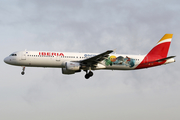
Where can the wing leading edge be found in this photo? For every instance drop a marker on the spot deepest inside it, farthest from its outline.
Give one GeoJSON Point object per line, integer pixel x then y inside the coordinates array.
{"type": "Point", "coordinates": [97, 58]}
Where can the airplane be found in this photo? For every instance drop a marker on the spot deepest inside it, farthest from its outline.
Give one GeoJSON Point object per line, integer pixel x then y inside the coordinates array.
{"type": "Point", "coordinates": [72, 63]}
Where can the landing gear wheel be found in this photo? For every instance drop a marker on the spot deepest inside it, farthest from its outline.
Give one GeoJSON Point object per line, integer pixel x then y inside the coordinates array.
{"type": "Point", "coordinates": [87, 76]}
{"type": "Point", "coordinates": [22, 73]}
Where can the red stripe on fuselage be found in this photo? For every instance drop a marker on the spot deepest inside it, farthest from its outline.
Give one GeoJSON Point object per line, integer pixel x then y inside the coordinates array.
{"type": "Point", "coordinates": [158, 52]}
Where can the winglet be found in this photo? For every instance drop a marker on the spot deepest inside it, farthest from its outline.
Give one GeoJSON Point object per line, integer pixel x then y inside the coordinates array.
{"type": "Point", "coordinates": [114, 50]}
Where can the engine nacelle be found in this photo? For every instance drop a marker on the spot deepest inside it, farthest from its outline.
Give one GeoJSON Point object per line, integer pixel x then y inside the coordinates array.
{"type": "Point", "coordinates": [72, 66]}
{"type": "Point", "coordinates": [65, 71]}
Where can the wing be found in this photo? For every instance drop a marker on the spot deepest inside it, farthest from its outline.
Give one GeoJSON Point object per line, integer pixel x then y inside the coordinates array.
{"type": "Point", "coordinates": [96, 59]}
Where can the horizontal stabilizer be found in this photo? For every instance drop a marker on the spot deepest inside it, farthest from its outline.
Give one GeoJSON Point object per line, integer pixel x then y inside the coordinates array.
{"type": "Point", "coordinates": [160, 60]}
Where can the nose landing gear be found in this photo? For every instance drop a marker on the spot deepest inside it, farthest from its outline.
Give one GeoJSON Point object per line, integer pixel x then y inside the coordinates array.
{"type": "Point", "coordinates": [22, 73]}
{"type": "Point", "coordinates": [88, 74]}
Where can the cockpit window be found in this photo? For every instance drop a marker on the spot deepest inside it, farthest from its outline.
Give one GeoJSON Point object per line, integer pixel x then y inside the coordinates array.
{"type": "Point", "coordinates": [13, 55]}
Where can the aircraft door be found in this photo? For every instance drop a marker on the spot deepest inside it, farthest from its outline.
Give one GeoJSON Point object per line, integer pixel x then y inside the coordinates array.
{"type": "Point", "coordinates": [57, 58]}
{"type": "Point", "coordinates": [23, 56]}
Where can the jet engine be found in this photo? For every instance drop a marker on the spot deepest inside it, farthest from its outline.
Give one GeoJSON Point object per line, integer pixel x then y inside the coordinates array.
{"type": "Point", "coordinates": [65, 71]}
{"type": "Point", "coordinates": [71, 68]}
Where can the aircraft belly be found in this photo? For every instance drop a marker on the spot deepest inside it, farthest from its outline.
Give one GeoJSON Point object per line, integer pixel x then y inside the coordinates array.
{"type": "Point", "coordinates": [118, 67]}
{"type": "Point", "coordinates": [46, 64]}
{"type": "Point", "coordinates": [40, 63]}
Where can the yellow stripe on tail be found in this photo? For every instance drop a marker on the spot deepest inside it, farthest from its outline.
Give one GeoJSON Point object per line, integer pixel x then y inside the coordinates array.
{"type": "Point", "coordinates": [166, 36]}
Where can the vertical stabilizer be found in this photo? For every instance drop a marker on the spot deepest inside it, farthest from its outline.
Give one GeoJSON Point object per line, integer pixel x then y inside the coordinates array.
{"type": "Point", "coordinates": [160, 51]}
{"type": "Point", "coordinates": [162, 47]}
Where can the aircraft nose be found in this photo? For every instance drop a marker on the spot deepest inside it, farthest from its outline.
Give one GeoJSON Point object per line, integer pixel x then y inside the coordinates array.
{"type": "Point", "coordinates": [6, 60]}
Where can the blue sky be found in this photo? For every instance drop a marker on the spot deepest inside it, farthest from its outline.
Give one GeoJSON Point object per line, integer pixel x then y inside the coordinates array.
{"type": "Point", "coordinates": [89, 26]}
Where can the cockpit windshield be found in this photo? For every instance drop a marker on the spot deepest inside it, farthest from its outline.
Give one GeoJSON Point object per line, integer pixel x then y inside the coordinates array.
{"type": "Point", "coordinates": [13, 55]}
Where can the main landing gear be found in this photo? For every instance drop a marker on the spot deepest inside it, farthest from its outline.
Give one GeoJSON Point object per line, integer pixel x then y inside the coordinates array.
{"type": "Point", "coordinates": [88, 74]}
{"type": "Point", "coordinates": [22, 73]}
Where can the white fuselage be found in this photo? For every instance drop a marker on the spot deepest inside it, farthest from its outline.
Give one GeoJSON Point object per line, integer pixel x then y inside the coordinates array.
{"type": "Point", "coordinates": [58, 59]}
